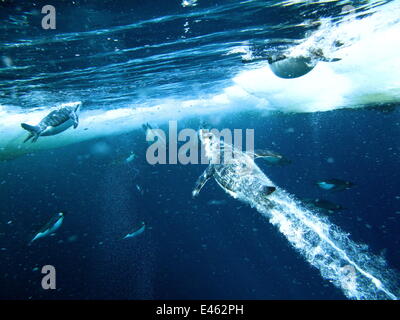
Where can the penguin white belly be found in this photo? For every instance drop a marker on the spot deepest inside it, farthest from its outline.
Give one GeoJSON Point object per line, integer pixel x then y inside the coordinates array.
{"type": "Point", "coordinates": [51, 131]}
{"type": "Point", "coordinates": [55, 227]}
{"type": "Point", "coordinates": [326, 186]}
{"type": "Point", "coordinates": [50, 230]}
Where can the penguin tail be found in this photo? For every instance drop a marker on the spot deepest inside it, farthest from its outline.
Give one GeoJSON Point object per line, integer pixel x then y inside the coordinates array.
{"type": "Point", "coordinates": [34, 132]}
{"type": "Point", "coordinates": [31, 129]}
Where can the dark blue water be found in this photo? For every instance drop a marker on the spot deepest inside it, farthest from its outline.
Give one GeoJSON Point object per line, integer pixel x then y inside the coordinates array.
{"type": "Point", "coordinates": [192, 249]}
{"type": "Point", "coordinates": [112, 53]}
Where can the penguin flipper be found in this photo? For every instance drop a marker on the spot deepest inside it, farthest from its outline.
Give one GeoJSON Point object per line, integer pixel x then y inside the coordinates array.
{"type": "Point", "coordinates": [201, 181]}
{"type": "Point", "coordinates": [75, 120]}
{"type": "Point", "coordinates": [30, 136]}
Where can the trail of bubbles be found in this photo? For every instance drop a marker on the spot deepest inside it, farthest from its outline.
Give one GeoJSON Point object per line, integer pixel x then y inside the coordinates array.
{"type": "Point", "coordinates": [348, 265]}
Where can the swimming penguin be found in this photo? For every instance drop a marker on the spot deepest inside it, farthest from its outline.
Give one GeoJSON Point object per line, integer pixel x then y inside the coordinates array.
{"type": "Point", "coordinates": [323, 204]}
{"type": "Point", "coordinates": [237, 175]}
{"type": "Point", "coordinates": [334, 184]}
{"type": "Point", "coordinates": [291, 64]}
{"type": "Point", "coordinates": [57, 121]}
{"type": "Point", "coordinates": [50, 227]}
{"type": "Point", "coordinates": [124, 159]}
{"type": "Point", "coordinates": [290, 68]}
{"type": "Point", "coordinates": [189, 3]}
{"type": "Point", "coordinates": [272, 158]}
{"type": "Point", "coordinates": [287, 67]}
{"type": "Point", "coordinates": [132, 156]}
{"type": "Point", "coordinates": [136, 232]}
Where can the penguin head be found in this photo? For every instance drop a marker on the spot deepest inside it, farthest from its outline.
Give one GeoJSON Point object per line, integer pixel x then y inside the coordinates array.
{"type": "Point", "coordinates": [210, 142]}
{"type": "Point", "coordinates": [291, 68]}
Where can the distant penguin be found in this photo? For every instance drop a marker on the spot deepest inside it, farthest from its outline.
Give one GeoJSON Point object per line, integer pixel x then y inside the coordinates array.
{"type": "Point", "coordinates": [334, 184]}
{"type": "Point", "coordinates": [323, 204]}
{"type": "Point", "coordinates": [136, 232]}
{"type": "Point", "coordinates": [290, 68]}
{"type": "Point", "coordinates": [295, 67]}
{"type": "Point", "coordinates": [55, 122]}
{"type": "Point", "coordinates": [272, 158]}
{"type": "Point", "coordinates": [286, 67]}
{"type": "Point", "coordinates": [50, 227]}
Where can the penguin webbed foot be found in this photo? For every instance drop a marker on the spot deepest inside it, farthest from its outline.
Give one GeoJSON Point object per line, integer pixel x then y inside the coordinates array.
{"type": "Point", "coordinates": [76, 122]}
{"type": "Point", "coordinates": [28, 138]}
{"type": "Point", "coordinates": [33, 138]}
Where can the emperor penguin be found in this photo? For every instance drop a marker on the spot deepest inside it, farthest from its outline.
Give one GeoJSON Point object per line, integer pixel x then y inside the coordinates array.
{"type": "Point", "coordinates": [57, 121]}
